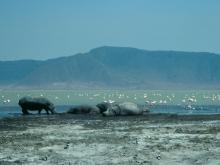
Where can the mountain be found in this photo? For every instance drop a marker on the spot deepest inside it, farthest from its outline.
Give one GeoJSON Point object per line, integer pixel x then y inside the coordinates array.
{"type": "Point", "coordinates": [116, 67]}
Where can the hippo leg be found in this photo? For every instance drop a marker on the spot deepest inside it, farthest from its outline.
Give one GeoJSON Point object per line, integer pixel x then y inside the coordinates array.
{"type": "Point", "coordinates": [25, 112]}
{"type": "Point", "coordinates": [39, 111]}
{"type": "Point", "coordinates": [47, 111]}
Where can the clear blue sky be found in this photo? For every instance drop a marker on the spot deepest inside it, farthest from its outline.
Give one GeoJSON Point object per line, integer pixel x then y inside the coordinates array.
{"type": "Point", "coordinates": [42, 29]}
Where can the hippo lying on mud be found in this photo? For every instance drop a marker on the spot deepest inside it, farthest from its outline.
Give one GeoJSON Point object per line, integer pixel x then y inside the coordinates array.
{"type": "Point", "coordinates": [84, 109]}
{"type": "Point", "coordinates": [125, 108]}
{"type": "Point", "coordinates": [109, 109]}
{"type": "Point", "coordinates": [36, 104]}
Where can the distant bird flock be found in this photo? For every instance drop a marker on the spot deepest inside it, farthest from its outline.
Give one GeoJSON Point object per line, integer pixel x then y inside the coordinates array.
{"type": "Point", "coordinates": [187, 100]}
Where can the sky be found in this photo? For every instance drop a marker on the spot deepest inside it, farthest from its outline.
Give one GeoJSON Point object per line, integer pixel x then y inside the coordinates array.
{"type": "Point", "coordinates": [43, 29]}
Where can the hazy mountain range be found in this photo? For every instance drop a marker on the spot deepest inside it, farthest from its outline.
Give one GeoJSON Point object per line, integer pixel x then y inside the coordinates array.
{"type": "Point", "coordinates": [116, 67]}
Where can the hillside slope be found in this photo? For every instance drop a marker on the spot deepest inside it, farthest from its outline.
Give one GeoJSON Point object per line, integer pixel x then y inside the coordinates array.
{"type": "Point", "coordinates": [117, 67]}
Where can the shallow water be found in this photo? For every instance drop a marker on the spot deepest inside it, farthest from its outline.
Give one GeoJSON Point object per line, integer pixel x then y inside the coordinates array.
{"type": "Point", "coordinates": [158, 101]}
{"type": "Point", "coordinates": [74, 97]}
{"type": "Point", "coordinates": [15, 111]}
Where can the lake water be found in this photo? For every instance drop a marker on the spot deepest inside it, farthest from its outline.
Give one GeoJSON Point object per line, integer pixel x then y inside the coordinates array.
{"type": "Point", "coordinates": [159, 101]}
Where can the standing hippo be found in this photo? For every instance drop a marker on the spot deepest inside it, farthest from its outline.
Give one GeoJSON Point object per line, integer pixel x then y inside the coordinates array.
{"type": "Point", "coordinates": [125, 108]}
{"type": "Point", "coordinates": [36, 104]}
{"type": "Point", "coordinates": [84, 109]}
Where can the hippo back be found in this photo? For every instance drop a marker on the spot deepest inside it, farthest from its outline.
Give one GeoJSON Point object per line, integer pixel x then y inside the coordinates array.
{"type": "Point", "coordinates": [129, 108]}
{"type": "Point", "coordinates": [125, 108]}
{"type": "Point", "coordinates": [33, 103]}
{"type": "Point", "coordinates": [83, 109]}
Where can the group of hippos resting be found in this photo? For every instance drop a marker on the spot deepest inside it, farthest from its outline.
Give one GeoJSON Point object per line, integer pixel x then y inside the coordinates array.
{"type": "Point", "coordinates": [104, 108]}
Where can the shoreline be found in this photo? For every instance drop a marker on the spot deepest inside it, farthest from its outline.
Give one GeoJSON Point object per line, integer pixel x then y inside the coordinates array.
{"type": "Point", "coordinates": [155, 139]}
{"type": "Point", "coordinates": [147, 116]}
{"type": "Point", "coordinates": [15, 111]}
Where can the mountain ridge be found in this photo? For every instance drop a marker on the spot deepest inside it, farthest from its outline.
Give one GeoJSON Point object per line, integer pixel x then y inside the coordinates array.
{"type": "Point", "coordinates": [116, 67]}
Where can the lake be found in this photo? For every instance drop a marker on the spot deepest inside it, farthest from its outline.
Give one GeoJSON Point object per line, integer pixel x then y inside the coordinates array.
{"type": "Point", "coordinates": [159, 101]}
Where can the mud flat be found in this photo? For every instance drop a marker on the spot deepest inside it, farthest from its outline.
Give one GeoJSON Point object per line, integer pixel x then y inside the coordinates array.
{"type": "Point", "coordinates": [155, 139]}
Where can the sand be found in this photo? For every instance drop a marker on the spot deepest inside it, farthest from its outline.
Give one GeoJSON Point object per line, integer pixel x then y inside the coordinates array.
{"type": "Point", "coordinates": [77, 139]}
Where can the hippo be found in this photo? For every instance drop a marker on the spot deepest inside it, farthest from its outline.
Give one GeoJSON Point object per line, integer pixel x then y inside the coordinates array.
{"type": "Point", "coordinates": [84, 109]}
{"type": "Point", "coordinates": [103, 106]}
{"type": "Point", "coordinates": [36, 104]}
{"type": "Point", "coordinates": [122, 109]}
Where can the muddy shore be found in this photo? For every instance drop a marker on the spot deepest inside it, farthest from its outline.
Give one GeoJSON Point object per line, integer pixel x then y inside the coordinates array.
{"type": "Point", "coordinates": [83, 139]}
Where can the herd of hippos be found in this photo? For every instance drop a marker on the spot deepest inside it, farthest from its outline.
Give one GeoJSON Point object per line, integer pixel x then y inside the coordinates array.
{"type": "Point", "coordinates": [104, 108]}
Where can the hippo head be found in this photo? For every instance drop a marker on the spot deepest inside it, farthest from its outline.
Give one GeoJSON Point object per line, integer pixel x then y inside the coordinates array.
{"type": "Point", "coordinates": [51, 107]}
{"type": "Point", "coordinates": [103, 106]}
{"type": "Point", "coordinates": [111, 111]}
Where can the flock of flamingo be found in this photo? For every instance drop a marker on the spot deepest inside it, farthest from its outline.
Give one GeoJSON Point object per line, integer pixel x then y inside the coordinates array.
{"type": "Point", "coordinates": [188, 100]}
